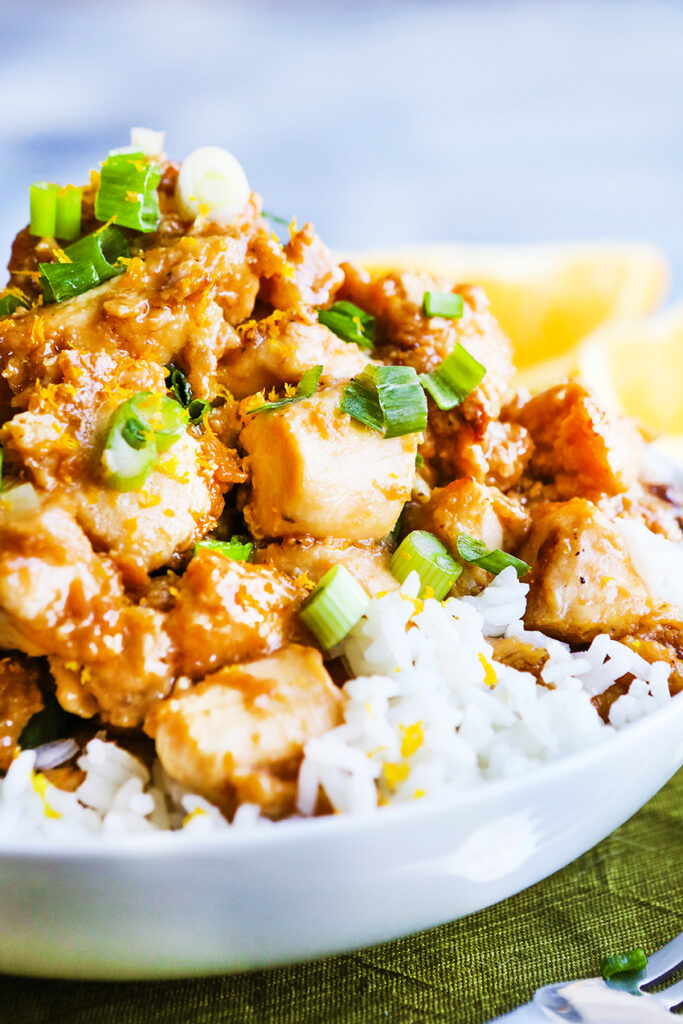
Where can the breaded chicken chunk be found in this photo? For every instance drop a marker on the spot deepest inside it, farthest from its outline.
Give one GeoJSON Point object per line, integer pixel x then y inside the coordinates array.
{"type": "Point", "coordinates": [316, 471]}
{"type": "Point", "coordinates": [238, 736]}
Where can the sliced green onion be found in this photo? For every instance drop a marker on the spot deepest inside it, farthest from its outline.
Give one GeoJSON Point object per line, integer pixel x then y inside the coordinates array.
{"type": "Point", "coordinates": [90, 261]}
{"type": "Point", "coordinates": [128, 191]}
{"type": "Point", "coordinates": [275, 219]}
{"type": "Point", "coordinates": [11, 301]}
{"type": "Point", "coordinates": [419, 460]}
{"type": "Point", "coordinates": [334, 607]}
{"type": "Point", "coordinates": [388, 399]}
{"type": "Point", "coordinates": [50, 723]}
{"type": "Point", "coordinates": [68, 222]}
{"type": "Point", "coordinates": [453, 379]}
{"type": "Point", "coordinates": [139, 429]}
{"type": "Point", "coordinates": [475, 551]}
{"type": "Point", "coordinates": [446, 304]}
{"type": "Point", "coordinates": [304, 389]}
{"type": "Point", "coordinates": [135, 432]}
{"type": "Point", "coordinates": [177, 382]}
{"type": "Point", "coordinates": [62, 281]}
{"type": "Point", "coordinates": [617, 963]}
{"type": "Point", "coordinates": [197, 410]}
{"type": "Point", "coordinates": [423, 553]}
{"type": "Point", "coordinates": [238, 548]}
{"type": "Point", "coordinates": [349, 322]}
{"type": "Point", "coordinates": [43, 202]}
{"type": "Point", "coordinates": [104, 249]}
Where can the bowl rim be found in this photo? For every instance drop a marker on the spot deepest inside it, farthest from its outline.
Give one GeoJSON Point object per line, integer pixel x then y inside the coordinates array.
{"type": "Point", "coordinates": [292, 830]}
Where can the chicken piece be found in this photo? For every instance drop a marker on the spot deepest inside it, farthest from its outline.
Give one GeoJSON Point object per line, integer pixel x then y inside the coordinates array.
{"type": "Point", "coordinates": [229, 611]}
{"type": "Point", "coordinates": [177, 302]}
{"type": "Point", "coordinates": [497, 457]}
{"type": "Point", "coordinates": [317, 471]}
{"type": "Point", "coordinates": [660, 515]}
{"type": "Point", "coordinates": [311, 559]}
{"type": "Point", "coordinates": [406, 335]}
{"type": "Point", "coordinates": [659, 637]}
{"type": "Point", "coordinates": [59, 440]}
{"type": "Point", "coordinates": [578, 447]}
{"type": "Point", "coordinates": [20, 699]}
{"type": "Point", "coordinates": [123, 683]}
{"type": "Point", "coordinates": [583, 581]}
{"type": "Point", "coordinates": [238, 736]}
{"type": "Point", "coordinates": [59, 598]}
{"type": "Point", "coordinates": [56, 594]}
{"type": "Point", "coordinates": [520, 655]}
{"type": "Point", "coordinates": [279, 348]}
{"type": "Point", "coordinates": [303, 273]}
{"type": "Point", "coordinates": [466, 506]}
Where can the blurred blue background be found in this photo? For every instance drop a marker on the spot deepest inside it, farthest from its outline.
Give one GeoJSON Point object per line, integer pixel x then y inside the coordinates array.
{"type": "Point", "coordinates": [382, 122]}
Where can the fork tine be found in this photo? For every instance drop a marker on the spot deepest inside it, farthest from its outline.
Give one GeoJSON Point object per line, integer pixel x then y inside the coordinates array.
{"type": "Point", "coordinates": [670, 997]}
{"type": "Point", "coordinates": [664, 960]}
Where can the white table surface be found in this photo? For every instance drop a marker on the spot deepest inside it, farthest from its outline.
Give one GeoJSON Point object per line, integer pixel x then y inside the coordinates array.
{"type": "Point", "coordinates": [382, 122]}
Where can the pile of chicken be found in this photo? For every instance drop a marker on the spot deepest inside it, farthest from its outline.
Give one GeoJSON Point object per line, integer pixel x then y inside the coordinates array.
{"type": "Point", "coordinates": [103, 601]}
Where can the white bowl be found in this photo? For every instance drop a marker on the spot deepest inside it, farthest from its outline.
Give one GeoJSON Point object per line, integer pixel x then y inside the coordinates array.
{"type": "Point", "coordinates": [172, 905]}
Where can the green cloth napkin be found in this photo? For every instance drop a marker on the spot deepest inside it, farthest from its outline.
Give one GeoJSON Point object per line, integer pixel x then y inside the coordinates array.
{"type": "Point", "coordinates": [626, 892]}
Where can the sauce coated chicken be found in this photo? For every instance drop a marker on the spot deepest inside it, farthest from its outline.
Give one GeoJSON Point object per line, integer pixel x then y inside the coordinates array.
{"type": "Point", "coordinates": [124, 585]}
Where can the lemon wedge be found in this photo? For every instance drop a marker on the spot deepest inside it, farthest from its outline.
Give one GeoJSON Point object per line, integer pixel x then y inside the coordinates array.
{"type": "Point", "coordinates": [636, 366]}
{"type": "Point", "coordinates": [546, 297]}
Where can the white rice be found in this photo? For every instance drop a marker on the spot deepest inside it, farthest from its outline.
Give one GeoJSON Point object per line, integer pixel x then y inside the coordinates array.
{"type": "Point", "coordinates": [428, 712]}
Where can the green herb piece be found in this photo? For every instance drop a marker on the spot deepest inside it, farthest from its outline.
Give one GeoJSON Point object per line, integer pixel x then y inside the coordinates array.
{"type": "Point", "coordinates": [48, 724]}
{"type": "Point", "coordinates": [349, 322]}
{"type": "Point", "coordinates": [177, 382]}
{"type": "Point", "coordinates": [334, 607]}
{"type": "Point", "coordinates": [10, 301]}
{"type": "Point", "coordinates": [423, 553]}
{"type": "Point", "coordinates": [618, 963]}
{"type": "Point", "coordinates": [43, 203]}
{"type": "Point", "coordinates": [61, 281]}
{"type": "Point", "coordinates": [139, 429]}
{"type": "Point", "coordinates": [68, 219]}
{"type": "Point", "coordinates": [237, 549]}
{"type": "Point", "coordinates": [388, 399]}
{"type": "Point", "coordinates": [197, 410]}
{"type": "Point", "coordinates": [446, 304]}
{"type": "Point", "coordinates": [127, 192]}
{"type": "Point", "coordinates": [304, 389]}
{"type": "Point", "coordinates": [275, 219]}
{"type": "Point", "coordinates": [419, 461]}
{"type": "Point", "coordinates": [90, 261]}
{"type": "Point", "coordinates": [453, 379]}
{"type": "Point", "coordinates": [475, 551]}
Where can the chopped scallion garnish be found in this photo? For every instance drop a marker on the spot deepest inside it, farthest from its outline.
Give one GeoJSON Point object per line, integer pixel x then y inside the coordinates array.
{"type": "Point", "coordinates": [197, 410]}
{"type": "Point", "coordinates": [334, 607]}
{"type": "Point", "coordinates": [128, 191]}
{"type": "Point", "coordinates": [423, 553]}
{"type": "Point", "coordinates": [349, 322]}
{"type": "Point", "coordinates": [304, 389]}
{"type": "Point", "coordinates": [453, 379]}
{"type": "Point", "coordinates": [139, 429]}
{"type": "Point", "coordinates": [238, 548]}
{"type": "Point", "coordinates": [55, 211]}
{"type": "Point", "coordinates": [68, 222]}
{"type": "Point", "coordinates": [104, 249]}
{"type": "Point", "coordinates": [475, 551]}
{"type": "Point", "coordinates": [90, 261]}
{"type": "Point", "coordinates": [62, 281]}
{"type": "Point", "coordinates": [618, 963]}
{"type": "Point", "coordinates": [177, 382]}
{"type": "Point", "coordinates": [10, 302]}
{"type": "Point", "coordinates": [446, 304]}
{"type": "Point", "coordinates": [388, 399]}
{"type": "Point", "coordinates": [275, 219]}
{"type": "Point", "coordinates": [43, 203]}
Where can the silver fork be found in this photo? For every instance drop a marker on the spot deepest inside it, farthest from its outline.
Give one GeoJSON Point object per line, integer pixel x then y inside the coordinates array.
{"type": "Point", "coordinates": [593, 1001]}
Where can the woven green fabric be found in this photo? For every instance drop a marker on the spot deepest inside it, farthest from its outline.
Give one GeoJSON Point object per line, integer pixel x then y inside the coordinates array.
{"type": "Point", "coordinates": [626, 892]}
